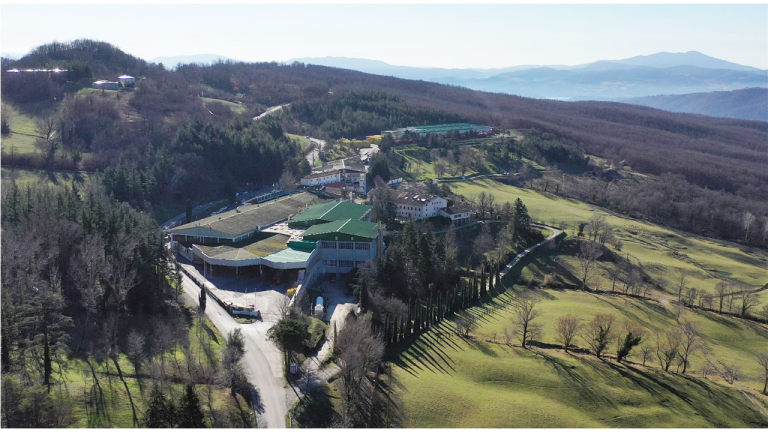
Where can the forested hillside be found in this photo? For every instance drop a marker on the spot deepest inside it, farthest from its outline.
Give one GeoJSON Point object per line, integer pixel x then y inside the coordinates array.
{"type": "Point", "coordinates": [720, 161]}
{"type": "Point", "coordinates": [748, 104]}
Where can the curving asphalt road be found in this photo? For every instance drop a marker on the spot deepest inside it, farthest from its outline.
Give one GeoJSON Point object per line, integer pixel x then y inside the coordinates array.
{"type": "Point", "coordinates": [521, 255]}
{"type": "Point", "coordinates": [271, 405]}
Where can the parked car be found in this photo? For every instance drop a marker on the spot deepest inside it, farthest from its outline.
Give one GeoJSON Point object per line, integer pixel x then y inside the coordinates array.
{"type": "Point", "coordinates": [248, 311]}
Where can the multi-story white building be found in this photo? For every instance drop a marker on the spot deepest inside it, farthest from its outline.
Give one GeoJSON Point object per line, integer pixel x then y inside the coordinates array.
{"type": "Point", "coordinates": [351, 172]}
{"type": "Point", "coordinates": [415, 206]}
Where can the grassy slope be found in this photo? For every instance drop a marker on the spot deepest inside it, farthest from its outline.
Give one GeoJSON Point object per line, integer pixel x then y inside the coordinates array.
{"type": "Point", "coordinates": [79, 382]}
{"type": "Point", "coordinates": [235, 107]}
{"type": "Point", "coordinates": [451, 382]}
{"type": "Point", "coordinates": [661, 250]}
{"type": "Point", "coordinates": [23, 135]}
{"type": "Point", "coordinates": [24, 177]}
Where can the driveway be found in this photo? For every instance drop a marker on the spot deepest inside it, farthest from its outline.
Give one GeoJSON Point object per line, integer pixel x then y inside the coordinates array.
{"type": "Point", "coordinates": [270, 111]}
{"type": "Point", "coordinates": [262, 361]}
{"type": "Point", "coordinates": [314, 155]}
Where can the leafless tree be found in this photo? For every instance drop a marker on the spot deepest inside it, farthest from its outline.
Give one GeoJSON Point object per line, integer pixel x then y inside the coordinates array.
{"type": "Point", "coordinates": [722, 289]}
{"type": "Point", "coordinates": [440, 168]}
{"type": "Point", "coordinates": [762, 360]}
{"type": "Point", "coordinates": [731, 296]}
{"type": "Point", "coordinates": [483, 203]}
{"type": "Point", "coordinates": [730, 373]}
{"type": "Point", "coordinates": [681, 282]}
{"type": "Point", "coordinates": [765, 229]}
{"type": "Point", "coordinates": [747, 222]}
{"type": "Point", "coordinates": [690, 297]}
{"type": "Point", "coordinates": [524, 312]}
{"type": "Point", "coordinates": [284, 307]}
{"type": "Point", "coordinates": [666, 348]}
{"type": "Point", "coordinates": [598, 333]}
{"type": "Point", "coordinates": [646, 352]}
{"type": "Point", "coordinates": [135, 349]}
{"type": "Point", "coordinates": [589, 252]}
{"type": "Point", "coordinates": [465, 323]}
{"type": "Point", "coordinates": [748, 300]}
{"type": "Point", "coordinates": [360, 353]}
{"type": "Point", "coordinates": [287, 180]}
{"type": "Point", "coordinates": [45, 127]}
{"type": "Point", "coordinates": [465, 159]}
{"type": "Point", "coordinates": [567, 329]}
{"type": "Point", "coordinates": [595, 227]}
{"type": "Point", "coordinates": [509, 334]}
{"type": "Point", "coordinates": [689, 339]}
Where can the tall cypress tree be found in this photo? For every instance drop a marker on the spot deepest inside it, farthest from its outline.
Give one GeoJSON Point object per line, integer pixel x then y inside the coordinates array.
{"type": "Point", "coordinates": [482, 283]}
{"type": "Point", "coordinates": [364, 300]}
{"type": "Point", "coordinates": [409, 324]}
{"type": "Point", "coordinates": [386, 330]}
{"type": "Point", "coordinates": [429, 311]}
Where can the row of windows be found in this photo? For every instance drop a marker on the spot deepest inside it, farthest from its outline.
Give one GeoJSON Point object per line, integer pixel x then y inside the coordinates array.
{"type": "Point", "coordinates": [345, 245]}
{"type": "Point", "coordinates": [341, 263]}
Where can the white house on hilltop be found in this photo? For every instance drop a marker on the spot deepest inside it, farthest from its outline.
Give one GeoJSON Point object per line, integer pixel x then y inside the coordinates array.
{"type": "Point", "coordinates": [415, 206]}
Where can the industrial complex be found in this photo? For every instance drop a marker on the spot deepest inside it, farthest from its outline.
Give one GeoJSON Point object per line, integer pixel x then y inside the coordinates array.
{"type": "Point", "coordinates": [298, 237]}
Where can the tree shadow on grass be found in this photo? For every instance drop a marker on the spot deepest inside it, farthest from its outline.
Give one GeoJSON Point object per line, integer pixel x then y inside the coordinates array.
{"type": "Point", "coordinates": [662, 387]}
{"type": "Point", "coordinates": [573, 378]}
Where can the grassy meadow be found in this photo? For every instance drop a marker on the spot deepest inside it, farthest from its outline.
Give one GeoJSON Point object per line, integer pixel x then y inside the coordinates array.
{"type": "Point", "coordinates": [449, 381]}
{"type": "Point", "coordinates": [235, 107]}
{"type": "Point", "coordinates": [23, 134]}
{"type": "Point", "coordinates": [662, 251]}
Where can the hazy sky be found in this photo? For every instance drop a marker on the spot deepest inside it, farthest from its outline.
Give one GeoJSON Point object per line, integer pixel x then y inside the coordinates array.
{"type": "Point", "coordinates": [427, 35]}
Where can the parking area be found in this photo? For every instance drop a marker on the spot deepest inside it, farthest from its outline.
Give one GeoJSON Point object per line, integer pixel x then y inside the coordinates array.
{"type": "Point", "coordinates": [251, 289]}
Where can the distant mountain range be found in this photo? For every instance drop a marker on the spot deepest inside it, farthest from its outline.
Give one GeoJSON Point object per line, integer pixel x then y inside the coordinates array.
{"type": "Point", "coordinates": [660, 73]}
{"type": "Point", "coordinates": [172, 62]}
{"type": "Point", "coordinates": [748, 104]}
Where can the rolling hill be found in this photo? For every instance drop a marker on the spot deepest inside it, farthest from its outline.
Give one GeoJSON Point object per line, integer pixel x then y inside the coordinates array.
{"type": "Point", "coordinates": [748, 104]}
{"type": "Point", "coordinates": [660, 73]}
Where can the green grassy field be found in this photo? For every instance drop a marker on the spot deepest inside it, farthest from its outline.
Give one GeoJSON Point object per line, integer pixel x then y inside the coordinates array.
{"type": "Point", "coordinates": [448, 381]}
{"type": "Point", "coordinates": [662, 251]}
{"type": "Point", "coordinates": [23, 135]}
{"type": "Point", "coordinates": [24, 177]}
{"type": "Point", "coordinates": [235, 107]}
{"type": "Point", "coordinates": [303, 141]}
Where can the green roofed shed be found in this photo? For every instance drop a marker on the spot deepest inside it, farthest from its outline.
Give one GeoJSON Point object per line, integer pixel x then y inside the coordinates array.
{"type": "Point", "coordinates": [329, 212]}
{"type": "Point", "coordinates": [344, 230]}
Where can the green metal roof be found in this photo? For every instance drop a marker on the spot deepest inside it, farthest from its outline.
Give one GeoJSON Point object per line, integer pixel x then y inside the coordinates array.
{"type": "Point", "coordinates": [444, 128]}
{"type": "Point", "coordinates": [343, 229]}
{"type": "Point", "coordinates": [248, 218]}
{"type": "Point", "coordinates": [329, 212]}
{"type": "Point", "coordinates": [288, 256]}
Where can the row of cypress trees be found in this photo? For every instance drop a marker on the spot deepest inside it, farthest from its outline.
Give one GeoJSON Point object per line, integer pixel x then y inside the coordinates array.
{"type": "Point", "coordinates": [423, 313]}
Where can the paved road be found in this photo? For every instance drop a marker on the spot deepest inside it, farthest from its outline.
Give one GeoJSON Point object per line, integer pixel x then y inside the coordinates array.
{"type": "Point", "coordinates": [521, 255]}
{"type": "Point", "coordinates": [270, 111]}
{"type": "Point", "coordinates": [314, 155]}
{"type": "Point", "coordinates": [272, 396]}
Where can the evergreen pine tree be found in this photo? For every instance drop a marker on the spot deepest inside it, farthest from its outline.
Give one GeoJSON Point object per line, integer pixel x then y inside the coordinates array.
{"type": "Point", "coordinates": [161, 413]}
{"type": "Point", "coordinates": [190, 413]}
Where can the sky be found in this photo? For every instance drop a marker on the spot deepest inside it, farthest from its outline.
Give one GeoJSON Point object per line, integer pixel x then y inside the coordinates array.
{"type": "Point", "coordinates": [451, 36]}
